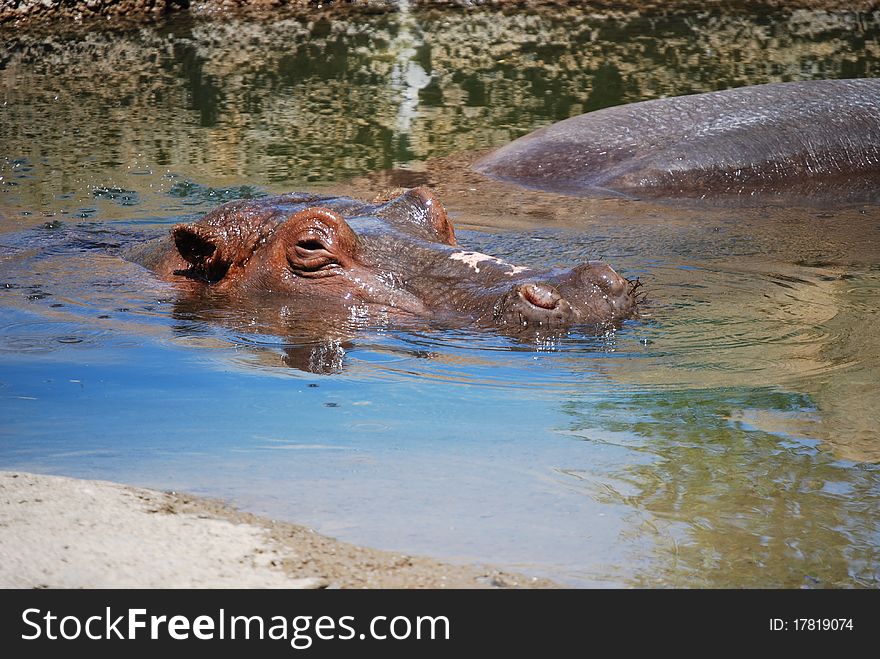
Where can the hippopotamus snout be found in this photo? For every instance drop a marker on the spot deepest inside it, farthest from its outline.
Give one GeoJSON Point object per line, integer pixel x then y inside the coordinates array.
{"type": "Point", "coordinates": [599, 291]}
{"type": "Point", "coordinates": [586, 293]}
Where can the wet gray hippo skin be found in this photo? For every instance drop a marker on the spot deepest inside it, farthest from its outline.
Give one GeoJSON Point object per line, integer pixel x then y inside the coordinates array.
{"type": "Point", "coordinates": [819, 137]}
{"type": "Point", "coordinates": [398, 256]}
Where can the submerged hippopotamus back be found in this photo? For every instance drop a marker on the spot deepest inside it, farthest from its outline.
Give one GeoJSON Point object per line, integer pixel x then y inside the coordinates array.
{"type": "Point", "coordinates": [398, 256]}
{"type": "Point", "coordinates": [799, 138]}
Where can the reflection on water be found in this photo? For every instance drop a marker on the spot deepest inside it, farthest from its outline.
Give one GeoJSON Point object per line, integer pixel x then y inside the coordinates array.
{"type": "Point", "coordinates": [727, 438]}
{"type": "Point", "coordinates": [725, 502]}
{"type": "Point", "coordinates": [306, 100]}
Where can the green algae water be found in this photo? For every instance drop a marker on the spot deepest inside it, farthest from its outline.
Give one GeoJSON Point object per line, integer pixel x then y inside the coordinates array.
{"type": "Point", "coordinates": [728, 438]}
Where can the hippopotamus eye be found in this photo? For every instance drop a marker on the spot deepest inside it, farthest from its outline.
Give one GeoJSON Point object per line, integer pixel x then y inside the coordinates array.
{"type": "Point", "coordinates": [316, 242]}
{"type": "Point", "coordinates": [309, 245]}
{"type": "Point", "coordinates": [310, 254]}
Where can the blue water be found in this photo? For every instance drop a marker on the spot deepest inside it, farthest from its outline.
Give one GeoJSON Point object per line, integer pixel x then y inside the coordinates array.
{"type": "Point", "coordinates": [437, 467]}
{"type": "Point", "coordinates": [726, 438]}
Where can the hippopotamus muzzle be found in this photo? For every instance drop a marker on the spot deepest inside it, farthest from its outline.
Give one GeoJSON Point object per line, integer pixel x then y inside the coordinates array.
{"type": "Point", "coordinates": [589, 294]}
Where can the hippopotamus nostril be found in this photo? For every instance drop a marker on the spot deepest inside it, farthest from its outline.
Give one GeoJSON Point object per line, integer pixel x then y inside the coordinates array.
{"type": "Point", "coordinates": [533, 305]}
{"type": "Point", "coordinates": [540, 295]}
{"type": "Point", "coordinates": [612, 282]}
{"type": "Point", "coordinates": [599, 273]}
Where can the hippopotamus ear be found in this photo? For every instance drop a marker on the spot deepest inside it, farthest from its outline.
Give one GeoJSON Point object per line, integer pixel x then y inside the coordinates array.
{"type": "Point", "coordinates": [420, 207]}
{"type": "Point", "coordinates": [200, 246]}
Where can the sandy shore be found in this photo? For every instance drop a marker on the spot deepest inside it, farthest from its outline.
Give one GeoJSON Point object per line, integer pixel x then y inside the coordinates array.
{"type": "Point", "coordinates": [60, 532]}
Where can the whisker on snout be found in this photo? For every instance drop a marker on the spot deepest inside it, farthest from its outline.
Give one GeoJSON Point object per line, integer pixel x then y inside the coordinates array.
{"type": "Point", "coordinates": [637, 291]}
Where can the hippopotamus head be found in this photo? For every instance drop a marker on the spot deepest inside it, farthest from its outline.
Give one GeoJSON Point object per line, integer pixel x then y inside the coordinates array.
{"type": "Point", "coordinates": [397, 255]}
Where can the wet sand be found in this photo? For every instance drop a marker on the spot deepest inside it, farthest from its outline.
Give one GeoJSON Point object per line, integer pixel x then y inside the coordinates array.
{"type": "Point", "coordinates": [62, 532]}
